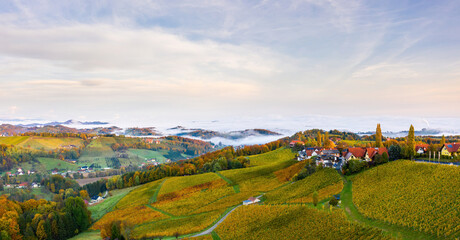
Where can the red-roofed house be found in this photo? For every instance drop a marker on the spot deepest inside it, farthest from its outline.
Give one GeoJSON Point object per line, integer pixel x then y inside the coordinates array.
{"type": "Point", "coordinates": [372, 152]}
{"type": "Point", "coordinates": [293, 143]}
{"type": "Point", "coordinates": [23, 185]}
{"type": "Point", "coordinates": [421, 148]}
{"type": "Point", "coordinates": [450, 149]}
{"type": "Point", "coordinates": [355, 153]}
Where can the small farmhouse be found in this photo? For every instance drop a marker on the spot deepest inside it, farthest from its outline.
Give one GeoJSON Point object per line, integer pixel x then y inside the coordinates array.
{"type": "Point", "coordinates": [251, 200]}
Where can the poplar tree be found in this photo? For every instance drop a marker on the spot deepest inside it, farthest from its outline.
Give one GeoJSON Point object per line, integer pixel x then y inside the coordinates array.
{"type": "Point", "coordinates": [443, 141]}
{"type": "Point", "coordinates": [378, 136]}
{"type": "Point", "coordinates": [319, 139]}
{"type": "Point", "coordinates": [411, 142]}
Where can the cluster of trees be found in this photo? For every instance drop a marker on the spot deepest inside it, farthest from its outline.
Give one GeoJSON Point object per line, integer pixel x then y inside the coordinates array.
{"type": "Point", "coordinates": [57, 135]}
{"type": "Point", "coordinates": [171, 143]}
{"type": "Point", "coordinates": [56, 183]}
{"type": "Point", "coordinates": [10, 156]}
{"type": "Point", "coordinates": [41, 219]}
{"type": "Point", "coordinates": [263, 148]}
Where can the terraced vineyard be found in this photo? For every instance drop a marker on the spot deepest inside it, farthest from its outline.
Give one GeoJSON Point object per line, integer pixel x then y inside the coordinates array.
{"type": "Point", "coordinates": [189, 204]}
{"type": "Point", "coordinates": [326, 182]}
{"type": "Point", "coordinates": [424, 197]}
{"type": "Point", "coordinates": [292, 222]}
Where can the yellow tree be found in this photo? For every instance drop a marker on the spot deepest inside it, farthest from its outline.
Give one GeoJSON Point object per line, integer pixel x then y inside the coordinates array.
{"type": "Point", "coordinates": [319, 139]}
{"type": "Point", "coordinates": [41, 232]}
{"type": "Point", "coordinates": [411, 142]}
{"type": "Point", "coordinates": [378, 136]}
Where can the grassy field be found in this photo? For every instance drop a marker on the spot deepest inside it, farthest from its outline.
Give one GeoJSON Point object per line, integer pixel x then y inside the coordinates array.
{"type": "Point", "coordinates": [99, 210]}
{"type": "Point", "coordinates": [326, 182]}
{"type": "Point", "coordinates": [88, 235]}
{"type": "Point", "coordinates": [13, 140]}
{"type": "Point", "coordinates": [292, 222]}
{"type": "Point", "coordinates": [424, 197]}
{"type": "Point", "coordinates": [51, 163]}
{"type": "Point", "coordinates": [148, 154]}
{"type": "Point", "coordinates": [97, 151]}
{"type": "Point", "coordinates": [46, 165]}
{"type": "Point", "coordinates": [279, 155]}
{"type": "Point", "coordinates": [49, 143]}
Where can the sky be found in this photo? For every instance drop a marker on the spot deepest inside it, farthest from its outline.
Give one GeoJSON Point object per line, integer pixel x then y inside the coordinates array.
{"type": "Point", "coordinates": [173, 61]}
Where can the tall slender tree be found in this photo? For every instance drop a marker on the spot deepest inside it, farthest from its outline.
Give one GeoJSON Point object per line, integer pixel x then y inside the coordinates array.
{"type": "Point", "coordinates": [443, 141]}
{"type": "Point", "coordinates": [378, 136]}
{"type": "Point", "coordinates": [411, 142]}
{"type": "Point", "coordinates": [319, 139]}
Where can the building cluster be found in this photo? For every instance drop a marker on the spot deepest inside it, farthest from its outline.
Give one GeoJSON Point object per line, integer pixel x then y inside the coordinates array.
{"type": "Point", "coordinates": [20, 172]}
{"type": "Point", "coordinates": [23, 185]}
{"type": "Point", "coordinates": [333, 158]}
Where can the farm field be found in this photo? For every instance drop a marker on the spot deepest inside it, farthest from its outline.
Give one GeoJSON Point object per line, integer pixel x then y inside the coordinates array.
{"type": "Point", "coordinates": [49, 143]}
{"type": "Point", "coordinates": [97, 152]}
{"type": "Point", "coordinates": [149, 154]}
{"type": "Point", "coordinates": [326, 182]}
{"type": "Point", "coordinates": [13, 140]}
{"type": "Point", "coordinates": [46, 165]}
{"type": "Point", "coordinates": [292, 222]}
{"type": "Point", "coordinates": [420, 196]}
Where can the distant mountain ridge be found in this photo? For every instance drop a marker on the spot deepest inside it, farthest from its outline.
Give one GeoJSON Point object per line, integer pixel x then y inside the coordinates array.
{"type": "Point", "coordinates": [68, 122]}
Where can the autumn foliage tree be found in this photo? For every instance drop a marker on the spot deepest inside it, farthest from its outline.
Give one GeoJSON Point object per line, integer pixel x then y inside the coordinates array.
{"type": "Point", "coordinates": [378, 137]}
{"type": "Point", "coordinates": [410, 143]}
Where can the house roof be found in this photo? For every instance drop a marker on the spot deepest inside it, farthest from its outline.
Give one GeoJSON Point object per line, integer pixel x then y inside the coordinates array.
{"type": "Point", "coordinates": [374, 151]}
{"type": "Point", "coordinates": [424, 147]}
{"type": "Point", "coordinates": [23, 184]}
{"type": "Point", "coordinates": [357, 152]}
{"type": "Point", "coordinates": [252, 199]}
{"type": "Point", "coordinates": [296, 141]}
{"type": "Point", "coordinates": [452, 147]}
{"type": "Point", "coordinates": [331, 151]}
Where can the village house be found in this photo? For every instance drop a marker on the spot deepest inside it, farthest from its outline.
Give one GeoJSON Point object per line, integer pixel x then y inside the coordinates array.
{"type": "Point", "coordinates": [451, 149]}
{"type": "Point", "coordinates": [355, 153]}
{"type": "Point", "coordinates": [421, 148]}
{"type": "Point", "coordinates": [251, 200]}
{"type": "Point", "coordinates": [23, 185]}
{"type": "Point", "coordinates": [293, 143]}
{"type": "Point", "coordinates": [309, 153]}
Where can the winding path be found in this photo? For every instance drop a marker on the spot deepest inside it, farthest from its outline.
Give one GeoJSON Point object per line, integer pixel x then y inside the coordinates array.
{"type": "Point", "coordinates": [209, 230]}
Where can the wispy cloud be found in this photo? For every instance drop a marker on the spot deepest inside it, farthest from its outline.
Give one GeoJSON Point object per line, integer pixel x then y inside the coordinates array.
{"type": "Point", "coordinates": [251, 57]}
